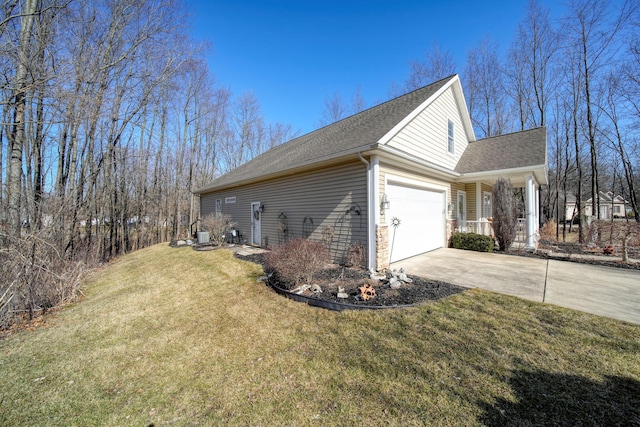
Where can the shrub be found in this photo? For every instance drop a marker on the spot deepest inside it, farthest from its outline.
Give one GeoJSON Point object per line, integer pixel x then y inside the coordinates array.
{"type": "Point", "coordinates": [505, 213]}
{"type": "Point", "coordinates": [218, 227]}
{"type": "Point", "coordinates": [297, 261]}
{"type": "Point", "coordinates": [548, 231]}
{"type": "Point", "coordinates": [472, 242]}
{"type": "Point", "coordinates": [36, 275]}
{"type": "Point", "coordinates": [356, 255]}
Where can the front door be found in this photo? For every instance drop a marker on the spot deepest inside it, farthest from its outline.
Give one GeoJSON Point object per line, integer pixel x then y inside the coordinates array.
{"type": "Point", "coordinates": [462, 210]}
{"type": "Point", "coordinates": [487, 205]}
{"type": "Point", "coordinates": [256, 219]}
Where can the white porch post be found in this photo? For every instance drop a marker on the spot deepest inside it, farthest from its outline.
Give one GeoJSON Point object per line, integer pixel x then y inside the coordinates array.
{"type": "Point", "coordinates": [373, 208]}
{"type": "Point", "coordinates": [478, 202]}
{"type": "Point", "coordinates": [531, 212]}
{"type": "Point", "coordinates": [537, 223]}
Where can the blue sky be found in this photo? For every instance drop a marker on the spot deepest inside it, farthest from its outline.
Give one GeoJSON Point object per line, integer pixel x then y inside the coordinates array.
{"type": "Point", "coordinates": [293, 54]}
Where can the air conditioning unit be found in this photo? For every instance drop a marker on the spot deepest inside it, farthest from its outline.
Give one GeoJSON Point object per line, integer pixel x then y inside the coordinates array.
{"type": "Point", "coordinates": [203, 237]}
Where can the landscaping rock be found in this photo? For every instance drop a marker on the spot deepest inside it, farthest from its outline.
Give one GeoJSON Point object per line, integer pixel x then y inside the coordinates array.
{"type": "Point", "coordinates": [316, 289]}
{"type": "Point", "coordinates": [398, 278]}
{"type": "Point", "coordinates": [394, 283]}
{"type": "Point", "coordinates": [341, 293]}
{"type": "Point", "coordinates": [373, 275]}
{"type": "Point", "coordinates": [300, 289]}
{"type": "Point", "coordinates": [401, 276]}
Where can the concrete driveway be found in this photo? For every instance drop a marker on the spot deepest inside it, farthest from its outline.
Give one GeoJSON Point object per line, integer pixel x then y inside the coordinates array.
{"type": "Point", "coordinates": [605, 291]}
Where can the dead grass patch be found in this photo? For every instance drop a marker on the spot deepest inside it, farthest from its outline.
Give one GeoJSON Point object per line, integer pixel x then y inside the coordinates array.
{"type": "Point", "coordinates": [179, 337]}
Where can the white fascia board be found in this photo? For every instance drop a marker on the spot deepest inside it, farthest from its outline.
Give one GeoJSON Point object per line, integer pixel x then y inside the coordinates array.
{"type": "Point", "coordinates": [404, 122]}
{"type": "Point", "coordinates": [539, 172]}
{"type": "Point", "coordinates": [464, 111]}
{"type": "Point", "coordinates": [394, 155]}
{"type": "Point", "coordinates": [461, 104]}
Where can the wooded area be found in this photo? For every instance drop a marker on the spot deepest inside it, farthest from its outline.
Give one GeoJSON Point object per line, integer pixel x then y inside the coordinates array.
{"type": "Point", "coordinates": [110, 118]}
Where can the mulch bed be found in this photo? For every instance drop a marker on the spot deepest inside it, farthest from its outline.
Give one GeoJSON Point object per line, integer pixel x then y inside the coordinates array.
{"type": "Point", "coordinates": [565, 252]}
{"type": "Point", "coordinates": [418, 291]}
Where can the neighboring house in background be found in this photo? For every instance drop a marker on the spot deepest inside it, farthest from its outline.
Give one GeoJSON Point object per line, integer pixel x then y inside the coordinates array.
{"type": "Point", "coordinates": [397, 178]}
{"type": "Point", "coordinates": [611, 206]}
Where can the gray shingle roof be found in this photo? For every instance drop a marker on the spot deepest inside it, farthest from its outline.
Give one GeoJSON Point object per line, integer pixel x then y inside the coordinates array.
{"type": "Point", "coordinates": [510, 151]}
{"type": "Point", "coordinates": [359, 130]}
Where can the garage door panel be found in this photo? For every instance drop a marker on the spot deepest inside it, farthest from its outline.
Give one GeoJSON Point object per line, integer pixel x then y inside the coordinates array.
{"type": "Point", "coordinates": [419, 214]}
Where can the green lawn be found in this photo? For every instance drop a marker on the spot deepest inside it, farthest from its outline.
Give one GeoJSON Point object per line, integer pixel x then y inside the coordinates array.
{"type": "Point", "coordinates": [178, 337]}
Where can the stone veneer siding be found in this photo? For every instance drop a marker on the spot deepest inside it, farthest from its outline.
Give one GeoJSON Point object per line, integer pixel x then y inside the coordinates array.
{"type": "Point", "coordinates": [382, 245]}
{"type": "Point", "coordinates": [452, 224]}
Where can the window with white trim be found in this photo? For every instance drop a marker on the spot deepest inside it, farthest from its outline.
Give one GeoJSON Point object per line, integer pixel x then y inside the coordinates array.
{"type": "Point", "coordinates": [450, 142]}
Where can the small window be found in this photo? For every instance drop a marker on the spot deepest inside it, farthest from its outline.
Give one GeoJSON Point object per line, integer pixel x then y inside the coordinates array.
{"type": "Point", "coordinates": [451, 144]}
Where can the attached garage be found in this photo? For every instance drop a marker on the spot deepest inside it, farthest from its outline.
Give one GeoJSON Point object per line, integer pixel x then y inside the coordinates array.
{"type": "Point", "coordinates": [416, 218]}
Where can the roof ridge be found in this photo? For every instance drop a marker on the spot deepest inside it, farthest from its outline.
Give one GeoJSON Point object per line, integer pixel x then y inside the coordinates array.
{"type": "Point", "coordinates": [352, 116]}
{"type": "Point", "coordinates": [376, 106]}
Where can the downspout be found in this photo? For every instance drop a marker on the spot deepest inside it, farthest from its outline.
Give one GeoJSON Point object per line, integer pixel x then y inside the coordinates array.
{"type": "Point", "coordinates": [372, 212]}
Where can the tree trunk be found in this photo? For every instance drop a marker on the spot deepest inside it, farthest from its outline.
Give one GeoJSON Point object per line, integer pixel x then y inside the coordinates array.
{"type": "Point", "coordinates": [17, 138]}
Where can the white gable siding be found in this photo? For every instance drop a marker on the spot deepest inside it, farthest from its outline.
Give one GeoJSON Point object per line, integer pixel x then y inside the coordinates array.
{"type": "Point", "coordinates": [426, 136]}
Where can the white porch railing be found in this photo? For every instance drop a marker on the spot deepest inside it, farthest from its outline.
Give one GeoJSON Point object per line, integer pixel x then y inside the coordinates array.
{"type": "Point", "coordinates": [521, 233]}
{"type": "Point", "coordinates": [485, 228]}
{"type": "Point", "coordinates": [479, 227]}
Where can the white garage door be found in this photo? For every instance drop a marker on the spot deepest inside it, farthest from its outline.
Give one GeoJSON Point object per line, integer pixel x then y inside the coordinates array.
{"type": "Point", "coordinates": [420, 218]}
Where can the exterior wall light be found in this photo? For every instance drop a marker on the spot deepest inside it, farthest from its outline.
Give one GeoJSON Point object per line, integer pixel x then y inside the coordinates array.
{"type": "Point", "coordinates": [261, 208]}
{"type": "Point", "coordinates": [385, 203]}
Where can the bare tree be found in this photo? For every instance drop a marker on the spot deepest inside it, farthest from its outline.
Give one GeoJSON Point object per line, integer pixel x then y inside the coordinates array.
{"type": "Point", "coordinates": [485, 90]}
{"type": "Point", "coordinates": [358, 103]}
{"type": "Point", "coordinates": [531, 70]}
{"type": "Point", "coordinates": [505, 214]}
{"type": "Point", "coordinates": [280, 133]}
{"type": "Point", "coordinates": [334, 109]}
{"type": "Point", "coordinates": [437, 64]}
{"type": "Point", "coordinates": [592, 33]}
{"type": "Point", "coordinates": [618, 141]}
{"type": "Point", "coordinates": [17, 136]}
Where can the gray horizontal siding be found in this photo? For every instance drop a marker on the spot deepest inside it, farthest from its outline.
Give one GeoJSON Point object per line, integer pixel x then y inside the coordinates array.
{"type": "Point", "coordinates": [324, 195]}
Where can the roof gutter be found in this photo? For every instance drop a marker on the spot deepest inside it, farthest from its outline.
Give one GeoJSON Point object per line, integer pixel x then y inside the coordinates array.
{"type": "Point", "coordinates": [375, 148]}
{"type": "Point", "coordinates": [540, 171]}
{"type": "Point", "coordinates": [292, 170]}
